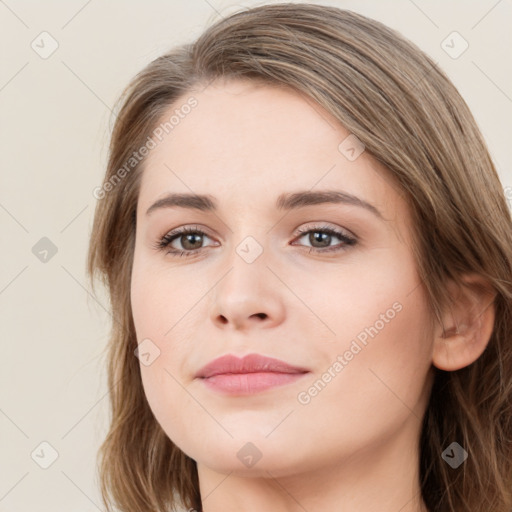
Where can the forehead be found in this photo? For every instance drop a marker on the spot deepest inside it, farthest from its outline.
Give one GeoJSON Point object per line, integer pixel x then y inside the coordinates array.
{"type": "Point", "coordinates": [248, 141]}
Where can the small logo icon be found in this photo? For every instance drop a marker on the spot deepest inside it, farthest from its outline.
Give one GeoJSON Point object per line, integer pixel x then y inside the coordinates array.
{"type": "Point", "coordinates": [44, 45]}
{"type": "Point", "coordinates": [44, 455]}
{"type": "Point", "coordinates": [147, 352]}
{"type": "Point", "coordinates": [249, 455]}
{"type": "Point", "coordinates": [454, 45]}
{"type": "Point", "coordinates": [44, 250]}
{"type": "Point", "coordinates": [351, 147]}
{"type": "Point", "coordinates": [249, 249]}
{"type": "Point", "coordinates": [454, 455]}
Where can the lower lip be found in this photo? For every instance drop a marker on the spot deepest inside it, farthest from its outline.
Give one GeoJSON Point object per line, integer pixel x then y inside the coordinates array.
{"type": "Point", "coordinates": [249, 383]}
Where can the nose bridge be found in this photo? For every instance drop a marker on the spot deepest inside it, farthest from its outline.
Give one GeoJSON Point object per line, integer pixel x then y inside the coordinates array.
{"type": "Point", "coordinates": [248, 274]}
{"type": "Point", "coordinates": [250, 238]}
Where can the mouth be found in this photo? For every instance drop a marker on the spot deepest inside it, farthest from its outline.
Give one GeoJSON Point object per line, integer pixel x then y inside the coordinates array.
{"type": "Point", "coordinates": [253, 373]}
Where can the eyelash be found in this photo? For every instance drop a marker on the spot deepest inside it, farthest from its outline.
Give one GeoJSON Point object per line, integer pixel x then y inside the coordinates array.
{"type": "Point", "coordinates": [166, 240]}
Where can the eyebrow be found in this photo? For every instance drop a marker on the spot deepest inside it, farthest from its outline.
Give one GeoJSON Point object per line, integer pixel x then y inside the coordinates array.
{"type": "Point", "coordinates": [285, 201]}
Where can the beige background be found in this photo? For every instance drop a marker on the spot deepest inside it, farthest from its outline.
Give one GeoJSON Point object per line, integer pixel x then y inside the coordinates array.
{"type": "Point", "coordinates": [54, 131]}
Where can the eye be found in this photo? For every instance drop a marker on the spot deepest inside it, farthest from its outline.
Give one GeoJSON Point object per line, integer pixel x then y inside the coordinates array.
{"type": "Point", "coordinates": [189, 238]}
{"type": "Point", "coordinates": [320, 238]}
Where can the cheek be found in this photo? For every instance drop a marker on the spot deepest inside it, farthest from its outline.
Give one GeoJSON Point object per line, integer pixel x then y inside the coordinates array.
{"type": "Point", "coordinates": [163, 320]}
{"type": "Point", "coordinates": [380, 302]}
{"type": "Point", "coordinates": [382, 343]}
{"type": "Point", "coordinates": [377, 372]}
{"type": "Point", "coordinates": [358, 403]}
{"type": "Point", "coordinates": [161, 298]}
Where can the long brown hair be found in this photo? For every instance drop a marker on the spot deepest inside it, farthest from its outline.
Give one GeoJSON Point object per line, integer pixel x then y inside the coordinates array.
{"type": "Point", "coordinates": [410, 117]}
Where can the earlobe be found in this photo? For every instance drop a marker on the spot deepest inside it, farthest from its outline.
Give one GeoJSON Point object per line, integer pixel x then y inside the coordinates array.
{"type": "Point", "coordinates": [467, 324]}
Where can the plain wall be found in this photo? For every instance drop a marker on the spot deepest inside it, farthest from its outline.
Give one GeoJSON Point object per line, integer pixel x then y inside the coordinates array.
{"type": "Point", "coordinates": [56, 119]}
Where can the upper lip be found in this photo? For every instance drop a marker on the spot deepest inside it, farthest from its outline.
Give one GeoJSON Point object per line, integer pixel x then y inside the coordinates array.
{"type": "Point", "coordinates": [251, 363]}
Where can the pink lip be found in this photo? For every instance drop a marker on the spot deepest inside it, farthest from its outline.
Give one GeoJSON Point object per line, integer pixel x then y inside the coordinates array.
{"type": "Point", "coordinates": [251, 374]}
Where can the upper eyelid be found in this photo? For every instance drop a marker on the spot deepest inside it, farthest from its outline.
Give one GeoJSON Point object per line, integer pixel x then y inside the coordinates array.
{"type": "Point", "coordinates": [323, 225]}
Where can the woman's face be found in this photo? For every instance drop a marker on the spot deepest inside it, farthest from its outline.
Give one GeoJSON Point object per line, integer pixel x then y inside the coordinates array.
{"type": "Point", "coordinates": [301, 252]}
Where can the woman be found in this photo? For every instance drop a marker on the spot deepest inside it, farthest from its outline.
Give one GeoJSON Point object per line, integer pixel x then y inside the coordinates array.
{"type": "Point", "coordinates": [309, 257]}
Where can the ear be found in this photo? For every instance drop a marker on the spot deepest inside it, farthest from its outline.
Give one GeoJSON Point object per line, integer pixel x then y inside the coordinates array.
{"type": "Point", "coordinates": [467, 324]}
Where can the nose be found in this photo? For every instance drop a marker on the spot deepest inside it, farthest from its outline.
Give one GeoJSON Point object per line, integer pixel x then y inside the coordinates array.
{"type": "Point", "coordinates": [248, 296]}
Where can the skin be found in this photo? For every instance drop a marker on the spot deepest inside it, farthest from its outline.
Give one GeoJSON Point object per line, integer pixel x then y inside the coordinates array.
{"type": "Point", "coordinates": [354, 445]}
